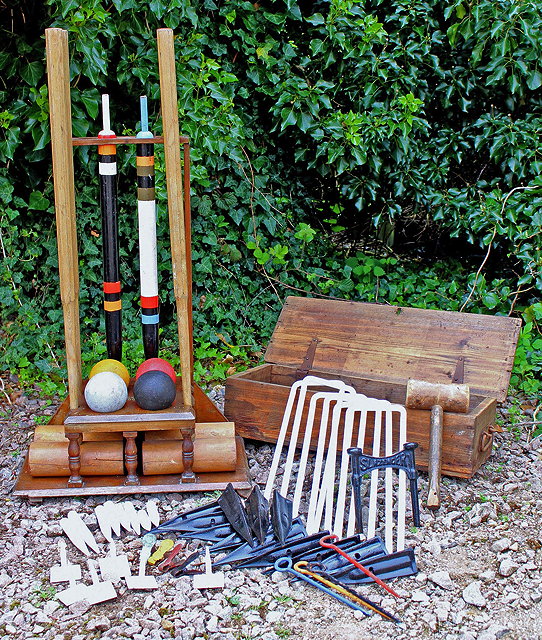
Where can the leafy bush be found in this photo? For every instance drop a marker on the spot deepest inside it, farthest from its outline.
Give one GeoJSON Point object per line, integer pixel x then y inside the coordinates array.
{"type": "Point", "coordinates": [336, 147]}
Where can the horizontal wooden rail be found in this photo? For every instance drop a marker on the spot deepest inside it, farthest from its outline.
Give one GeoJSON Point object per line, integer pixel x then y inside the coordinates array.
{"type": "Point", "coordinates": [85, 142]}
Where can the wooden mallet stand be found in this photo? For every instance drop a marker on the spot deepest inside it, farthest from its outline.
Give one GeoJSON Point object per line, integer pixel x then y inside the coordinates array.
{"type": "Point", "coordinates": [191, 406]}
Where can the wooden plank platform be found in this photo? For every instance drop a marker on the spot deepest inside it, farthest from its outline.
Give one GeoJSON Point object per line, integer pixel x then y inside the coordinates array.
{"type": "Point", "coordinates": [131, 416]}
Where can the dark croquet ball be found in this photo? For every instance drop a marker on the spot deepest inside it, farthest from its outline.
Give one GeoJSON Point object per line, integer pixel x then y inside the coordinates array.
{"type": "Point", "coordinates": [154, 390]}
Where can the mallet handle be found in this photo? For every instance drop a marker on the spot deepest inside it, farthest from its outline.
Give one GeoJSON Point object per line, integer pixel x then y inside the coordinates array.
{"type": "Point", "coordinates": [435, 457]}
{"type": "Point", "coordinates": [107, 168]}
{"type": "Point", "coordinates": [146, 212]}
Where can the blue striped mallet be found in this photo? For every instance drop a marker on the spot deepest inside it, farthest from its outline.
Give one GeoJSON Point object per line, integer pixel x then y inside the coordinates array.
{"type": "Point", "coordinates": [146, 209]}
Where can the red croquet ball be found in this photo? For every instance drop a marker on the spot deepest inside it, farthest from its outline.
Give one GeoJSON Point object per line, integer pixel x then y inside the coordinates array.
{"type": "Point", "coordinates": [157, 364]}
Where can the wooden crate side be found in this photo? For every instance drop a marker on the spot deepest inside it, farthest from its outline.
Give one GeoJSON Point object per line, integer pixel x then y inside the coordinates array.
{"type": "Point", "coordinates": [257, 406]}
{"type": "Point", "coordinates": [262, 373]}
{"type": "Point", "coordinates": [483, 433]}
{"type": "Point", "coordinates": [206, 410]}
{"type": "Point", "coordinates": [257, 409]}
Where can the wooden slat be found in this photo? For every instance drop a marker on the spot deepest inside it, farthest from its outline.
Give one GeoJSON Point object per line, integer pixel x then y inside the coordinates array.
{"type": "Point", "coordinates": [174, 184]}
{"type": "Point", "coordinates": [58, 79]}
{"type": "Point", "coordinates": [94, 141]}
{"type": "Point", "coordinates": [393, 344]}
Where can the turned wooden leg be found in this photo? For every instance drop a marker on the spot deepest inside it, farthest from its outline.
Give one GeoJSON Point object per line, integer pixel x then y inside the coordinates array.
{"type": "Point", "coordinates": [130, 457]}
{"type": "Point", "coordinates": [188, 456]}
{"type": "Point", "coordinates": [74, 459]}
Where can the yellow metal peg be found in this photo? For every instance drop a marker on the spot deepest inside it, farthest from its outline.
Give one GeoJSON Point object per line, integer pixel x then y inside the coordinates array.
{"type": "Point", "coordinates": [164, 546]}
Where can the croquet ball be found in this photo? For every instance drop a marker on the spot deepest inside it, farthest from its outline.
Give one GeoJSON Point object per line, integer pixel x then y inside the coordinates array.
{"type": "Point", "coordinates": [106, 392]}
{"type": "Point", "coordinates": [111, 365]}
{"type": "Point", "coordinates": [156, 364]}
{"type": "Point", "coordinates": [154, 390]}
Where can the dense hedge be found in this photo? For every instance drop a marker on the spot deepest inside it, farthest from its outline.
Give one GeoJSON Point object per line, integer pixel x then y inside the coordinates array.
{"type": "Point", "coordinates": [321, 132]}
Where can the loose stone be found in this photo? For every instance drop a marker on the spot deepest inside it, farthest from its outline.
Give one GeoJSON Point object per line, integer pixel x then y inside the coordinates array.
{"type": "Point", "coordinates": [472, 595]}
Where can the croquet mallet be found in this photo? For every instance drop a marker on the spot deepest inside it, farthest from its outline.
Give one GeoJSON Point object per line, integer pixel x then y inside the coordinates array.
{"type": "Point", "coordinates": [437, 397]}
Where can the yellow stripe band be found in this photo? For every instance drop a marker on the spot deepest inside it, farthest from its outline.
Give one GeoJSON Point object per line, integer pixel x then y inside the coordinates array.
{"type": "Point", "coordinates": [107, 149]}
{"type": "Point", "coordinates": [113, 306]}
{"type": "Point", "coordinates": [144, 161]}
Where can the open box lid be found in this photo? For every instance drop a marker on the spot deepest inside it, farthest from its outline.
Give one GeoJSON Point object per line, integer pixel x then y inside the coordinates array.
{"type": "Point", "coordinates": [393, 344]}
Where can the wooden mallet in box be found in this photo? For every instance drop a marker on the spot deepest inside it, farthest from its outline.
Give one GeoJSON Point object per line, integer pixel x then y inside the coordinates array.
{"type": "Point", "coordinates": [437, 397]}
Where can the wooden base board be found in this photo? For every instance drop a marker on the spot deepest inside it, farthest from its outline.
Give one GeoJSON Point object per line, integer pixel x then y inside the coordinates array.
{"type": "Point", "coordinates": [35, 489]}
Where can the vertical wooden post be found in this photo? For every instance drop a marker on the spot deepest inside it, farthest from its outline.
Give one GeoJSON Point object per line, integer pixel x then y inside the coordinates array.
{"type": "Point", "coordinates": [130, 457]}
{"type": "Point", "coordinates": [74, 459]}
{"type": "Point", "coordinates": [172, 156]}
{"type": "Point", "coordinates": [58, 75]}
{"type": "Point", "coordinates": [188, 239]}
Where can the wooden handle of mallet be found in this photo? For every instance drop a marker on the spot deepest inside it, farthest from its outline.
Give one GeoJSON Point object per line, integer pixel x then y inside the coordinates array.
{"type": "Point", "coordinates": [435, 456]}
{"type": "Point", "coordinates": [174, 183]}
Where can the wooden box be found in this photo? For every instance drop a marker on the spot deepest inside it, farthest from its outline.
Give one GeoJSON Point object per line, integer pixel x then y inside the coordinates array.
{"type": "Point", "coordinates": [377, 348]}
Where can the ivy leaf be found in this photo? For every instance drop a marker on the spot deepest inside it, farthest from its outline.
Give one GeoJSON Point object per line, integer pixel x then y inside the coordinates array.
{"type": "Point", "coordinates": [204, 207]}
{"type": "Point", "coordinates": [288, 120]}
{"type": "Point", "coordinates": [316, 46]}
{"type": "Point", "coordinates": [204, 265]}
{"type": "Point", "coordinates": [32, 73]}
{"type": "Point", "coordinates": [237, 215]}
{"type": "Point", "coordinates": [123, 5]}
{"type": "Point", "coordinates": [157, 7]}
{"type": "Point", "coordinates": [69, 5]}
{"type": "Point", "coordinates": [514, 83]}
{"type": "Point", "coordinates": [316, 18]}
{"type": "Point", "coordinates": [534, 80]}
{"type": "Point", "coordinates": [91, 99]}
{"type": "Point", "coordinates": [452, 33]}
{"type": "Point", "coordinates": [304, 121]}
{"type": "Point", "coordinates": [491, 299]}
{"type": "Point", "coordinates": [41, 138]}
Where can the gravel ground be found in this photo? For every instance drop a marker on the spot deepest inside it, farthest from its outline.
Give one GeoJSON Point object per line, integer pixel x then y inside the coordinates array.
{"type": "Point", "coordinates": [479, 561]}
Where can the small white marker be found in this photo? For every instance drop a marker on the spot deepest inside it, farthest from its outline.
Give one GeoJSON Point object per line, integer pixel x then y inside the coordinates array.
{"type": "Point", "coordinates": [65, 572]}
{"type": "Point", "coordinates": [209, 580]}
{"type": "Point", "coordinates": [99, 591]}
{"type": "Point", "coordinates": [114, 567]}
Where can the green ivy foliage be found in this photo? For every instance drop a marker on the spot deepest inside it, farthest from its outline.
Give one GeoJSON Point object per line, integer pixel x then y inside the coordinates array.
{"type": "Point", "coordinates": [319, 131]}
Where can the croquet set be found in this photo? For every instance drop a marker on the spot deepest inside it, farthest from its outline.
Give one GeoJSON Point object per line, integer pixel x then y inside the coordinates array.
{"type": "Point", "coordinates": [348, 390]}
{"type": "Point", "coordinates": [356, 398]}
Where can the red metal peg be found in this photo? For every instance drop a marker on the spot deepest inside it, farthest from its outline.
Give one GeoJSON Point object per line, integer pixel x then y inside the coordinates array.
{"type": "Point", "coordinates": [327, 544]}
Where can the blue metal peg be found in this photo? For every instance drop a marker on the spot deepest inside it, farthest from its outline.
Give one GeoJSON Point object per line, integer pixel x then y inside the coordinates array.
{"type": "Point", "coordinates": [284, 565]}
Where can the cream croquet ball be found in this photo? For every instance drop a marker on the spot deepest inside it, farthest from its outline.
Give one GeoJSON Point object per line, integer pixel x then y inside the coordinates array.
{"type": "Point", "coordinates": [106, 392]}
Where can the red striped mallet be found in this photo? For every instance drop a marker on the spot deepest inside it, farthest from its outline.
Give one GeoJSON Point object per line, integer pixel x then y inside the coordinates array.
{"type": "Point", "coordinates": [107, 166]}
{"type": "Point", "coordinates": [146, 209]}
